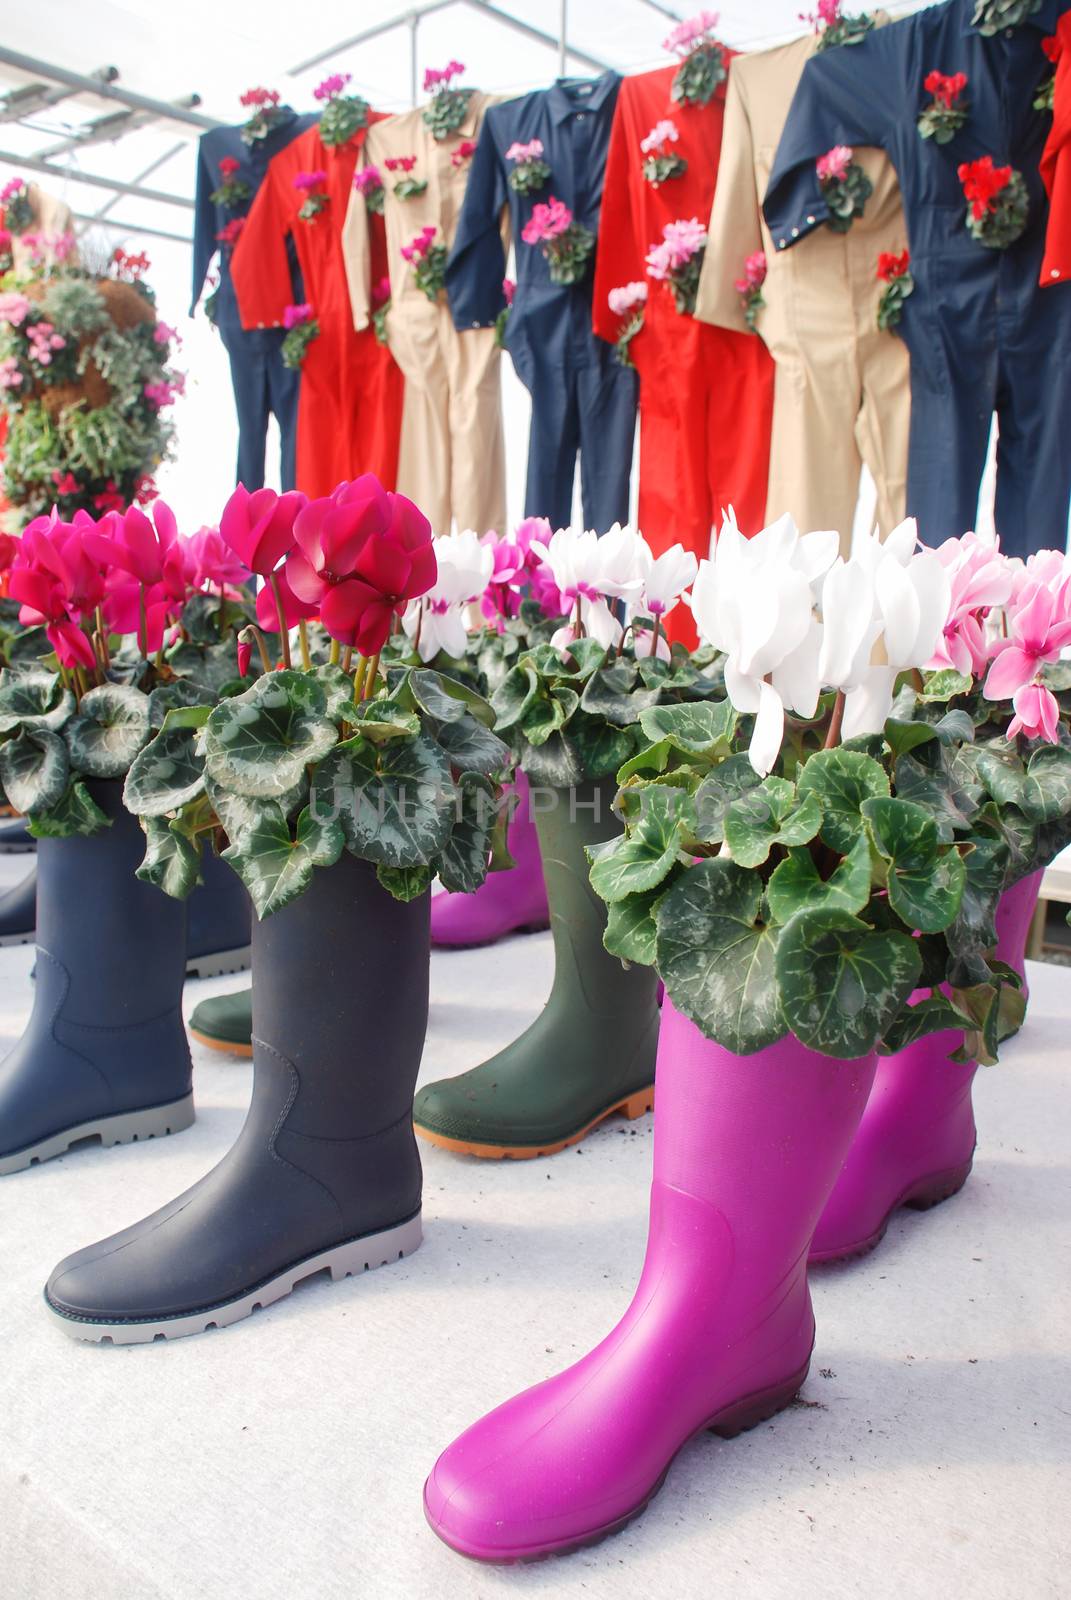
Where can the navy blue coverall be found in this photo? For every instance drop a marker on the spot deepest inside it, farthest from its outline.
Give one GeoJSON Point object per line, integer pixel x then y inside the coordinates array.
{"type": "Point", "coordinates": [262, 385]}
{"type": "Point", "coordinates": [583, 399]}
{"type": "Point", "coordinates": [981, 334]}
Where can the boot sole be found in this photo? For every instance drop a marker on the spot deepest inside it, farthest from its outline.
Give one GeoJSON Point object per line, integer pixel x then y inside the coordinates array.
{"type": "Point", "coordinates": [219, 962]}
{"type": "Point", "coordinates": [18, 938]}
{"type": "Point", "coordinates": [632, 1106]}
{"type": "Point", "coordinates": [348, 1260]}
{"type": "Point", "coordinates": [17, 849]}
{"type": "Point", "coordinates": [224, 1045]}
{"type": "Point", "coordinates": [481, 944]}
{"type": "Point", "coordinates": [737, 1418]}
{"type": "Point", "coordinates": [920, 1196]}
{"type": "Point", "coordinates": [127, 1128]}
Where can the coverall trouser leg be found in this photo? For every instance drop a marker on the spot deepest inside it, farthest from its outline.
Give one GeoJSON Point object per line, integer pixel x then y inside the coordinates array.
{"type": "Point", "coordinates": [606, 405]}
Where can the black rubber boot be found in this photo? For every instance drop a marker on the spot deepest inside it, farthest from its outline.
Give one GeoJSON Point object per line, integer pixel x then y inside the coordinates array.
{"type": "Point", "coordinates": [220, 918]}
{"type": "Point", "coordinates": [591, 1051]}
{"type": "Point", "coordinates": [18, 911]}
{"type": "Point", "coordinates": [104, 1055]}
{"type": "Point", "coordinates": [325, 1173]}
{"type": "Point", "coordinates": [15, 837]}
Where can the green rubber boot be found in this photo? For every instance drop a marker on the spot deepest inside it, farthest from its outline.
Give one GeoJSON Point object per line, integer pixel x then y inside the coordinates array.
{"type": "Point", "coordinates": [225, 1022]}
{"type": "Point", "coordinates": [591, 1051]}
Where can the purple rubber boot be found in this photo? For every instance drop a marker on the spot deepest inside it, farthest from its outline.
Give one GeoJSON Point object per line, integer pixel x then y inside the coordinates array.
{"type": "Point", "coordinates": [916, 1141]}
{"type": "Point", "coordinates": [719, 1333]}
{"type": "Point", "coordinates": [507, 902]}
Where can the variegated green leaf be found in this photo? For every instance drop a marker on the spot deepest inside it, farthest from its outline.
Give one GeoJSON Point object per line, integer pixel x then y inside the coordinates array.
{"type": "Point", "coordinates": [395, 802]}
{"type": "Point", "coordinates": [34, 770]}
{"type": "Point", "coordinates": [33, 698]}
{"type": "Point", "coordinates": [172, 859]}
{"type": "Point", "coordinates": [109, 728]}
{"type": "Point", "coordinates": [795, 885]}
{"type": "Point", "coordinates": [276, 865]}
{"type": "Point", "coordinates": [840, 781]}
{"type": "Point", "coordinates": [166, 775]}
{"type": "Point", "coordinates": [260, 743]}
{"type": "Point", "coordinates": [770, 814]}
{"type": "Point", "coordinates": [841, 983]}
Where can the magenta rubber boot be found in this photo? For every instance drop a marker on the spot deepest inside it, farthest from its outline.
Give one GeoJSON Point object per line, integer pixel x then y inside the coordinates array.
{"type": "Point", "coordinates": [506, 902]}
{"type": "Point", "coordinates": [719, 1332]}
{"type": "Point", "coordinates": [916, 1141]}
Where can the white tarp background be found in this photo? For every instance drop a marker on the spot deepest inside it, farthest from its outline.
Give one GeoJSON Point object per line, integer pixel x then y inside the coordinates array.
{"type": "Point", "coordinates": [218, 48]}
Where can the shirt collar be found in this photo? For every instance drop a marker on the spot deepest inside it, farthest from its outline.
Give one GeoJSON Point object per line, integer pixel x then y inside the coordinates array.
{"type": "Point", "coordinates": [563, 104]}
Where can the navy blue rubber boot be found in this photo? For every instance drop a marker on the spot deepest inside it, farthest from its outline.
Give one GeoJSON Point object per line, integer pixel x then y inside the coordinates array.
{"type": "Point", "coordinates": [104, 1056]}
{"type": "Point", "coordinates": [219, 921]}
{"type": "Point", "coordinates": [18, 911]}
{"type": "Point", "coordinates": [325, 1174]}
{"type": "Point", "coordinates": [15, 837]}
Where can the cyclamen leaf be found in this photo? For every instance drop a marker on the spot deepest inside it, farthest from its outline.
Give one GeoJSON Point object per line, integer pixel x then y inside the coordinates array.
{"type": "Point", "coordinates": [166, 775]}
{"type": "Point", "coordinates": [514, 696]}
{"type": "Point", "coordinates": [380, 720]}
{"type": "Point", "coordinates": [796, 886]}
{"type": "Point", "coordinates": [239, 813]}
{"type": "Point", "coordinates": [925, 881]}
{"type": "Point", "coordinates": [841, 983]}
{"type": "Point", "coordinates": [405, 883]}
{"type": "Point", "coordinates": [728, 781]}
{"type": "Point", "coordinates": [172, 860]}
{"type": "Point", "coordinates": [554, 765]}
{"type": "Point", "coordinates": [395, 803]}
{"type": "Point", "coordinates": [640, 859]}
{"type": "Point", "coordinates": [182, 695]}
{"type": "Point", "coordinates": [464, 857]}
{"type": "Point", "coordinates": [76, 816]}
{"type": "Point", "coordinates": [697, 727]}
{"type": "Point", "coordinates": [717, 960]}
{"type": "Point", "coordinates": [951, 803]}
{"type": "Point", "coordinates": [631, 931]}
{"type": "Point", "coordinates": [34, 770]}
{"type": "Point", "coordinates": [840, 781]}
{"type": "Point", "coordinates": [109, 728]}
{"type": "Point", "coordinates": [470, 746]}
{"type": "Point", "coordinates": [767, 815]}
{"type": "Point", "coordinates": [33, 699]}
{"type": "Point", "coordinates": [276, 867]}
{"type": "Point", "coordinates": [261, 743]}
{"type": "Point", "coordinates": [601, 748]}
{"type": "Point", "coordinates": [1046, 792]}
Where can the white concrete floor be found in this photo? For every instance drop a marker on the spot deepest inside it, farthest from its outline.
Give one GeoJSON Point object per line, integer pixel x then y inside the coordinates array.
{"type": "Point", "coordinates": [285, 1456]}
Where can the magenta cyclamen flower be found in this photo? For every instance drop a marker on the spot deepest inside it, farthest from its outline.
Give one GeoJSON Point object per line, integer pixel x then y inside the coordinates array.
{"type": "Point", "coordinates": [434, 79]}
{"type": "Point", "coordinates": [309, 180]}
{"type": "Point", "coordinates": [509, 289]}
{"type": "Point", "coordinates": [13, 187]}
{"type": "Point", "coordinates": [547, 221]}
{"type": "Point", "coordinates": [834, 164]}
{"type": "Point", "coordinates": [293, 316]}
{"type": "Point", "coordinates": [418, 247]}
{"type": "Point", "coordinates": [331, 86]}
{"type": "Point", "coordinates": [367, 179]}
{"type": "Point", "coordinates": [754, 273]}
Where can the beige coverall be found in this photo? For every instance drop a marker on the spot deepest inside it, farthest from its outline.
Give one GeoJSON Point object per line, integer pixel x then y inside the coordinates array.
{"type": "Point", "coordinates": [51, 218]}
{"type": "Point", "coordinates": [452, 455]}
{"type": "Point", "coordinates": [841, 387]}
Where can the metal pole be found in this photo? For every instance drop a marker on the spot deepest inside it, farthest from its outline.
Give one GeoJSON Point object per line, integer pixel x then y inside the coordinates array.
{"type": "Point", "coordinates": [366, 34]}
{"type": "Point", "coordinates": [129, 227]}
{"type": "Point", "coordinates": [538, 34]}
{"type": "Point", "coordinates": [563, 26]}
{"type": "Point", "coordinates": [414, 24]}
{"type": "Point", "coordinates": [146, 172]}
{"type": "Point", "coordinates": [71, 175]}
{"type": "Point", "coordinates": [102, 90]}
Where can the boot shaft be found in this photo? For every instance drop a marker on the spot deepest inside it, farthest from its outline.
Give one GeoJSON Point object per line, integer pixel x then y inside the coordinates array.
{"type": "Point", "coordinates": [1014, 916]}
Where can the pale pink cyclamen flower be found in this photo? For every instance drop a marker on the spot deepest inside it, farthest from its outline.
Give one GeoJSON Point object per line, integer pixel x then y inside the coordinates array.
{"type": "Point", "coordinates": [1039, 628]}
{"type": "Point", "coordinates": [664, 132]}
{"type": "Point", "coordinates": [14, 309]}
{"type": "Point", "coordinates": [547, 221]}
{"type": "Point", "coordinates": [687, 35]}
{"type": "Point", "coordinates": [834, 164]}
{"type": "Point", "coordinates": [10, 376]}
{"type": "Point", "coordinates": [627, 297]}
{"type": "Point", "coordinates": [680, 242]}
{"type": "Point", "coordinates": [981, 580]}
{"type": "Point", "coordinates": [525, 152]}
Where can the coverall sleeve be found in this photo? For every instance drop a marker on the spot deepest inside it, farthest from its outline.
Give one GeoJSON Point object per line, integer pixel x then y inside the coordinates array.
{"type": "Point", "coordinates": [734, 232]}
{"type": "Point", "coordinates": [357, 259]}
{"type": "Point", "coordinates": [204, 225]}
{"type": "Point", "coordinates": [477, 261]}
{"type": "Point", "coordinates": [619, 255]}
{"type": "Point", "coordinates": [1056, 170]}
{"type": "Point", "coordinates": [855, 95]}
{"type": "Point", "coordinates": [260, 267]}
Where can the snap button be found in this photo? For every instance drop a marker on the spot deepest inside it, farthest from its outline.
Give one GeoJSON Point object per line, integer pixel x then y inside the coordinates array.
{"type": "Point", "coordinates": [1054, 273]}
{"type": "Point", "coordinates": [810, 220]}
{"type": "Point", "coordinates": [795, 233]}
{"type": "Point", "coordinates": [780, 244]}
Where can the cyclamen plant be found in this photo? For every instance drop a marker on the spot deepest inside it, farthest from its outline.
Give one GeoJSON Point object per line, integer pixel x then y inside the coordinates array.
{"type": "Point", "coordinates": [393, 764]}
{"type": "Point", "coordinates": [428, 261]}
{"type": "Point", "coordinates": [126, 619]}
{"type": "Point", "coordinates": [834, 28]}
{"type": "Point", "coordinates": [894, 271]}
{"type": "Point", "coordinates": [301, 329]}
{"type": "Point", "coordinates": [449, 106]}
{"type": "Point", "coordinates": [266, 115]}
{"type": "Point", "coordinates": [380, 308]}
{"type": "Point", "coordinates": [311, 185]}
{"type": "Point", "coordinates": [660, 163]}
{"type": "Point", "coordinates": [628, 302]}
{"type": "Point", "coordinates": [343, 114]}
{"type": "Point", "coordinates": [855, 853]}
{"type": "Point", "coordinates": [406, 188]}
{"type": "Point", "coordinates": [998, 203]}
{"type": "Point", "coordinates": [749, 288]}
{"type": "Point", "coordinates": [992, 16]}
{"type": "Point", "coordinates": [16, 205]}
{"type": "Point", "coordinates": [703, 65]}
{"type": "Point", "coordinates": [845, 187]}
{"type": "Point", "coordinates": [1045, 99]}
{"type": "Point", "coordinates": [678, 261]}
{"type": "Point", "coordinates": [530, 172]}
{"type": "Point", "coordinates": [232, 189]}
{"type": "Point", "coordinates": [567, 245]}
{"type": "Point", "coordinates": [946, 114]}
{"type": "Point", "coordinates": [509, 289]}
{"type": "Point", "coordinates": [369, 183]}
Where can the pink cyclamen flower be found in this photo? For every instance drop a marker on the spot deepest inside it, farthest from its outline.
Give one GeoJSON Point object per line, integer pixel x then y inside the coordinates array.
{"type": "Point", "coordinates": [464, 152]}
{"type": "Point", "coordinates": [525, 152]}
{"type": "Point", "coordinates": [245, 653]}
{"type": "Point", "coordinates": [10, 376]}
{"type": "Point", "coordinates": [210, 563]}
{"type": "Point", "coordinates": [331, 86]}
{"type": "Point", "coordinates": [1037, 713]}
{"type": "Point", "coordinates": [664, 132]}
{"type": "Point", "coordinates": [400, 163]}
{"type": "Point", "coordinates": [834, 164]}
{"type": "Point", "coordinates": [680, 242]}
{"type": "Point", "coordinates": [259, 527]}
{"type": "Point", "coordinates": [367, 179]}
{"type": "Point", "coordinates": [14, 308]}
{"type": "Point", "coordinates": [307, 181]}
{"type": "Point", "coordinates": [687, 35]}
{"type": "Point", "coordinates": [1039, 628]}
{"type": "Point", "coordinates": [293, 316]}
{"type": "Point", "coordinates": [509, 289]}
{"type": "Point", "coordinates": [11, 188]}
{"type": "Point", "coordinates": [627, 297]}
{"type": "Point", "coordinates": [980, 581]}
{"type": "Point", "coordinates": [547, 221]}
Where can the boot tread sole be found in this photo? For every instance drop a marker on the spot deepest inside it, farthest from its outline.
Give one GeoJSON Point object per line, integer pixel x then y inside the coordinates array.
{"type": "Point", "coordinates": [921, 1195]}
{"type": "Point", "coordinates": [631, 1106]}
{"type": "Point", "coordinates": [227, 1046]}
{"type": "Point", "coordinates": [126, 1128]}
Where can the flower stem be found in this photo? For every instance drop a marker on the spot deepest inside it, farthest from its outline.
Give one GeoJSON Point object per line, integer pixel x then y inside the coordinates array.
{"type": "Point", "coordinates": [368, 688]}
{"type": "Point", "coordinates": [303, 637]}
{"type": "Point", "coordinates": [247, 635]}
{"type": "Point", "coordinates": [284, 631]}
{"type": "Point", "coordinates": [143, 623]}
{"type": "Point", "coordinates": [833, 736]}
{"type": "Point", "coordinates": [359, 676]}
{"type": "Point", "coordinates": [336, 652]}
{"type": "Point", "coordinates": [347, 658]}
{"type": "Point", "coordinates": [654, 636]}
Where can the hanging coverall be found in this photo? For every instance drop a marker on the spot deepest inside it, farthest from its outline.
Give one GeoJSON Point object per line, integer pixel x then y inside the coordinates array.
{"type": "Point", "coordinates": [350, 405]}
{"type": "Point", "coordinates": [1056, 167]}
{"type": "Point", "coordinates": [583, 399]}
{"type": "Point", "coordinates": [51, 218]}
{"type": "Point", "coordinates": [841, 385]}
{"type": "Point", "coordinates": [981, 335]}
{"type": "Point", "coordinates": [453, 455]}
{"type": "Point", "coordinates": [705, 395]}
{"type": "Point", "coordinates": [263, 387]}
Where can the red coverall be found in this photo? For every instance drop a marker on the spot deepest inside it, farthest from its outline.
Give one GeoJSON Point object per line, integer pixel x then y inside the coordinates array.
{"type": "Point", "coordinates": [706, 394]}
{"type": "Point", "coordinates": [1056, 167]}
{"type": "Point", "coordinates": [350, 406]}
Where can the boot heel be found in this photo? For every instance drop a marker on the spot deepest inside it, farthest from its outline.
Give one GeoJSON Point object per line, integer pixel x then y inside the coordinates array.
{"type": "Point", "coordinates": [942, 1187]}
{"type": "Point", "coordinates": [756, 1408]}
{"type": "Point", "coordinates": [152, 1124]}
{"type": "Point", "coordinates": [637, 1105]}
